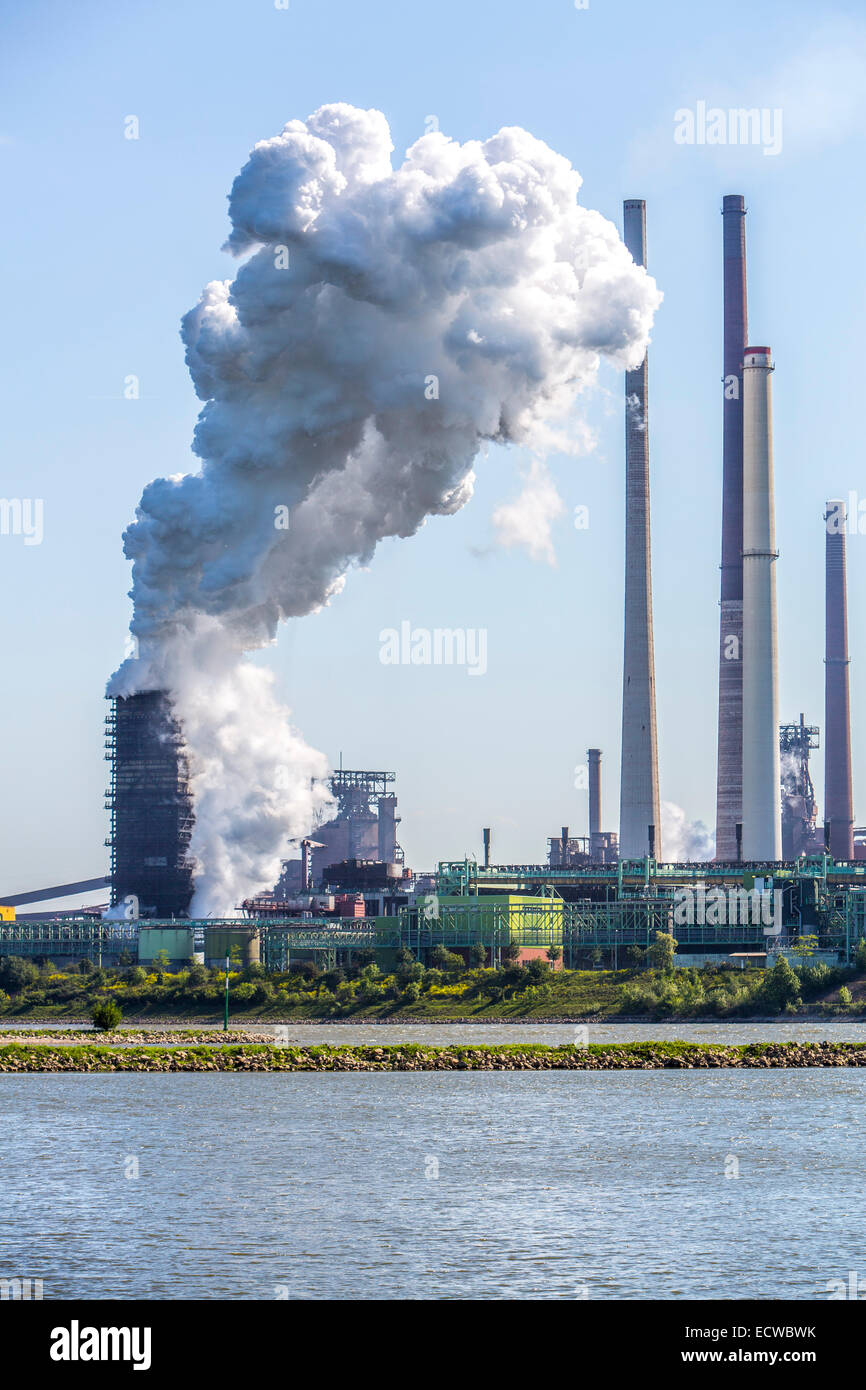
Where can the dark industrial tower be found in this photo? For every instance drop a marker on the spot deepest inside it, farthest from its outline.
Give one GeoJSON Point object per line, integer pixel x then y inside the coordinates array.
{"type": "Point", "coordinates": [729, 784]}
{"type": "Point", "coordinates": [150, 804]}
{"type": "Point", "coordinates": [799, 806]}
{"type": "Point", "coordinates": [639, 775]}
{"type": "Point", "coordinates": [838, 798]}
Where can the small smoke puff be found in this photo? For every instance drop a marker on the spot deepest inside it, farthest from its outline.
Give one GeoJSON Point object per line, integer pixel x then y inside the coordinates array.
{"type": "Point", "coordinates": [526, 522]}
{"type": "Point", "coordinates": [472, 262]}
{"type": "Point", "coordinates": [685, 842]}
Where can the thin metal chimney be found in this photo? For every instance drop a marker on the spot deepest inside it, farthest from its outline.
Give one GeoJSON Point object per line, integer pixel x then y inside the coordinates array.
{"type": "Point", "coordinates": [564, 847]}
{"type": "Point", "coordinates": [729, 780]}
{"type": "Point", "coordinates": [838, 797]}
{"type": "Point", "coordinates": [762, 789]}
{"type": "Point", "coordinates": [639, 774]}
{"type": "Point", "coordinates": [486, 836]}
{"type": "Point", "coordinates": [593, 758]}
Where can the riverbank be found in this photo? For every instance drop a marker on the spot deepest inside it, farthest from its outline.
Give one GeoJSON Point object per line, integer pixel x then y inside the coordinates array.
{"type": "Point", "coordinates": [415, 995]}
{"type": "Point", "coordinates": [47, 1057]}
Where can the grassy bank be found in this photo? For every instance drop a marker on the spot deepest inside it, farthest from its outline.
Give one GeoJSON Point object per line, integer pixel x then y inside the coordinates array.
{"type": "Point", "coordinates": [451, 992]}
{"type": "Point", "coordinates": [409, 1057]}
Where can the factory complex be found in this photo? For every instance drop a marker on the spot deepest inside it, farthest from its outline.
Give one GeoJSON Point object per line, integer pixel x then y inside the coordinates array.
{"type": "Point", "coordinates": [779, 873]}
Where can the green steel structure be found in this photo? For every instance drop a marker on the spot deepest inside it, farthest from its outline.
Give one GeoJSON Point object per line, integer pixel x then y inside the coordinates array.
{"type": "Point", "coordinates": [464, 877]}
{"type": "Point", "coordinates": [836, 915]}
{"type": "Point", "coordinates": [68, 937]}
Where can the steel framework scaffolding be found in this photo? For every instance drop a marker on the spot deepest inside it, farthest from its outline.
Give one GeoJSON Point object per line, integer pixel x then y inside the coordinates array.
{"type": "Point", "coordinates": [150, 804]}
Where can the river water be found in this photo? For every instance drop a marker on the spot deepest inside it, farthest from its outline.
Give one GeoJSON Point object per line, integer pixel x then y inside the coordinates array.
{"type": "Point", "coordinates": [600, 1185]}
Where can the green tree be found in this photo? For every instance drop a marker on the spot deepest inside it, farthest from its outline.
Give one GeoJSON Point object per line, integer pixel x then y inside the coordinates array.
{"type": "Point", "coordinates": [16, 973]}
{"type": "Point", "coordinates": [477, 954]}
{"type": "Point", "coordinates": [634, 955]}
{"type": "Point", "coordinates": [106, 1014]}
{"type": "Point", "coordinates": [781, 986]}
{"type": "Point", "coordinates": [510, 953]}
{"type": "Point", "coordinates": [554, 953]}
{"type": "Point", "coordinates": [161, 961]}
{"type": "Point", "coordinates": [660, 954]}
{"type": "Point", "coordinates": [860, 954]}
{"type": "Point", "coordinates": [845, 996]}
{"type": "Point", "coordinates": [804, 946]}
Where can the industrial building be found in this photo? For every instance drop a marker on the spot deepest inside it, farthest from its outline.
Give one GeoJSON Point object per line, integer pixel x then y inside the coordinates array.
{"type": "Point", "coordinates": [364, 829]}
{"type": "Point", "coordinates": [151, 806]}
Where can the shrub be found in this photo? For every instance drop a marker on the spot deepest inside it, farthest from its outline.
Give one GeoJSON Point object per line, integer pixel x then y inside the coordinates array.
{"type": "Point", "coordinates": [135, 976]}
{"type": "Point", "coordinates": [85, 966]}
{"type": "Point", "coordinates": [845, 996]}
{"type": "Point", "coordinates": [781, 986]}
{"type": "Point", "coordinates": [477, 954]}
{"type": "Point", "coordinates": [412, 992]}
{"type": "Point", "coordinates": [860, 954]}
{"type": "Point", "coordinates": [106, 1014]}
{"type": "Point", "coordinates": [16, 974]}
{"type": "Point", "coordinates": [537, 970]}
{"type": "Point", "coordinates": [431, 979]}
{"type": "Point", "coordinates": [243, 992]}
{"type": "Point", "coordinates": [447, 960]}
{"type": "Point", "coordinates": [510, 953]}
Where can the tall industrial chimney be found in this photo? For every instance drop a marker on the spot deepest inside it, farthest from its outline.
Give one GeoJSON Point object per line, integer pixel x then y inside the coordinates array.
{"type": "Point", "coordinates": [838, 798]}
{"type": "Point", "coordinates": [762, 793]}
{"type": "Point", "coordinates": [593, 758]}
{"type": "Point", "coordinates": [729, 782]}
{"type": "Point", "coordinates": [639, 776]}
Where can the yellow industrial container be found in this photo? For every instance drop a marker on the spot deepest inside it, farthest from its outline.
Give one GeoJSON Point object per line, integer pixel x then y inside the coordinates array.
{"type": "Point", "coordinates": [7, 914]}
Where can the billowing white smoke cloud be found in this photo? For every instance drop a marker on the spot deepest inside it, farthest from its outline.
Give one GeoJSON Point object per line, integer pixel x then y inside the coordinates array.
{"type": "Point", "coordinates": [385, 324]}
{"type": "Point", "coordinates": [685, 841]}
{"type": "Point", "coordinates": [526, 521]}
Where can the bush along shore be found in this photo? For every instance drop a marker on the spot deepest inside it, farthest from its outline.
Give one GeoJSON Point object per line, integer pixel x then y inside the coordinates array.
{"type": "Point", "coordinates": [412, 1057]}
{"type": "Point", "coordinates": [449, 990]}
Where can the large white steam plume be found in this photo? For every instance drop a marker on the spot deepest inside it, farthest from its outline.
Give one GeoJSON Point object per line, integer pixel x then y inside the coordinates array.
{"type": "Point", "coordinates": [385, 324]}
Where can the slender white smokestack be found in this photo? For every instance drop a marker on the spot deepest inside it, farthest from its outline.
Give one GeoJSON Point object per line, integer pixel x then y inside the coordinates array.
{"type": "Point", "coordinates": [762, 800]}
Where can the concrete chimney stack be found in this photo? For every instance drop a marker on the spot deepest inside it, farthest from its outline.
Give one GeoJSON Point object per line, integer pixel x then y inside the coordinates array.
{"type": "Point", "coordinates": [729, 783]}
{"type": "Point", "coordinates": [762, 795]}
{"type": "Point", "coordinates": [838, 797]}
{"type": "Point", "coordinates": [639, 778]}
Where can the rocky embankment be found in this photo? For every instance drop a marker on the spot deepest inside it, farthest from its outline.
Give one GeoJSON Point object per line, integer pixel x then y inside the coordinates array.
{"type": "Point", "coordinates": [103, 1057]}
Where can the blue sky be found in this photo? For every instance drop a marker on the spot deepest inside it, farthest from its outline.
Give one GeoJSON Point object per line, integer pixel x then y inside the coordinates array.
{"type": "Point", "coordinates": [108, 241]}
